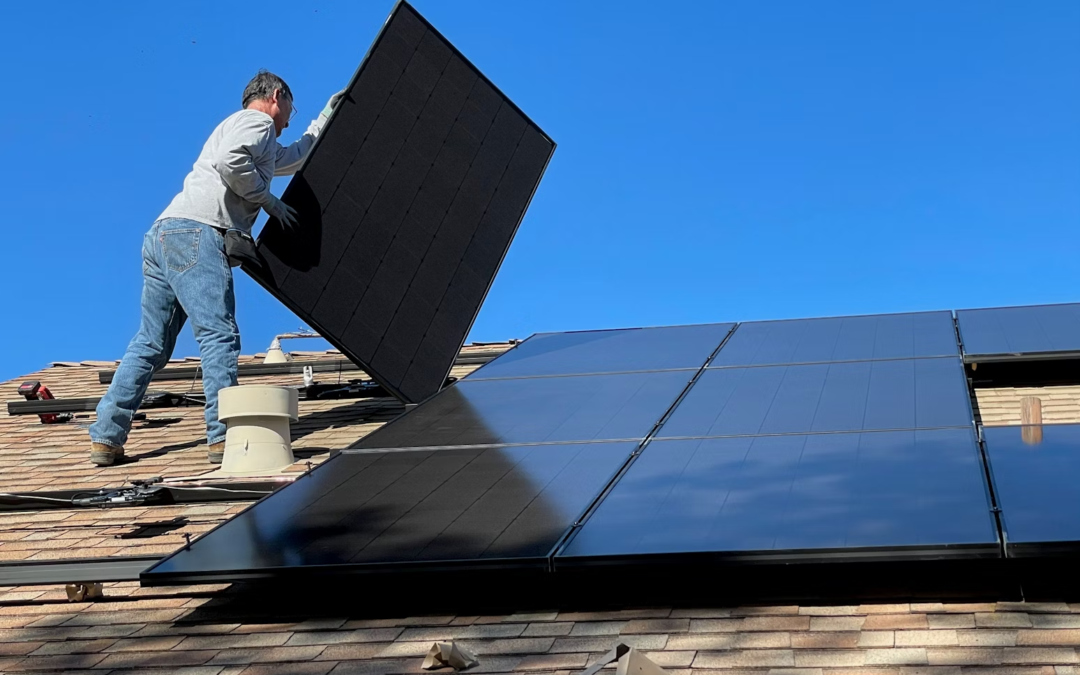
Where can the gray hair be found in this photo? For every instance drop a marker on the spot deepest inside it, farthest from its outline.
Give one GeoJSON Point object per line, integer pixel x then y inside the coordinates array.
{"type": "Point", "coordinates": [262, 87]}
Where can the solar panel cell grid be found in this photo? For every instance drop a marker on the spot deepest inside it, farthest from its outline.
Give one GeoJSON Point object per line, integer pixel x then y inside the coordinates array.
{"type": "Point", "coordinates": [409, 201]}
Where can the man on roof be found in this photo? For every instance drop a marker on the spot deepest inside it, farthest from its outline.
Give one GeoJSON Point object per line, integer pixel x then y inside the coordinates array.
{"type": "Point", "coordinates": [186, 270]}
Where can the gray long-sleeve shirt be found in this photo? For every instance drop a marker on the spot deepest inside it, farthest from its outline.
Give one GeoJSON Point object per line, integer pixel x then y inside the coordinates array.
{"type": "Point", "coordinates": [230, 180]}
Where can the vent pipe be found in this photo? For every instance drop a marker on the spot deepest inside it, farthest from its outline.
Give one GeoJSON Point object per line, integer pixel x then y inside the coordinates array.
{"type": "Point", "coordinates": [257, 437]}
{"type": "Point", "coordinates": [275, 355]}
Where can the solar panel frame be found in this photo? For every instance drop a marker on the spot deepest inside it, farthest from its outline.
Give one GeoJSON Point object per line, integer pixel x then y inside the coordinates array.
{"type": "Point", "coordinates": [973, 326]}
{"type": "Point", "coordinates": [434, 332]}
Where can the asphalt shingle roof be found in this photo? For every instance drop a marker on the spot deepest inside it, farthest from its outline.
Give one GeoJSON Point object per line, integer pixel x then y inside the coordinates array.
{"type": "Point", "coordinates": [223, 630]}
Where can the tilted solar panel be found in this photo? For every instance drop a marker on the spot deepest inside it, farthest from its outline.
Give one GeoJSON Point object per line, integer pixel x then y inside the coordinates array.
{"type": "Point", "coordinates": [1012, 333]}
{"type": "Point", "coordinates": [407, 206]}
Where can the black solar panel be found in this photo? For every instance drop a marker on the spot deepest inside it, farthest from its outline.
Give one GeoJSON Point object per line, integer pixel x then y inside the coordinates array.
{"type": "Point", "coordinates": [407, 206]}
{"type": "Point", "coordinates": [854, 338]}
{"type": "Point", "coordinates": [609, 351]}
{"type": "Point", "coordinates": [855, 396]}
{"type": "Point", "coordinates": [1009, 333]}
{"type": "Point", "coordinates": [1035, 472]}
{"type": "Point", "coordinates": [906, 494]}
{"type": "Point", "coordinates": [536, 410]}
{"type": "Point", "coordinates": [464, 508]}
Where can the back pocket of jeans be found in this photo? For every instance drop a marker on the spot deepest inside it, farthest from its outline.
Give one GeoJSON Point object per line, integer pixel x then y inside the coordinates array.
{"type": "Point", "coordinates": [181, 248]}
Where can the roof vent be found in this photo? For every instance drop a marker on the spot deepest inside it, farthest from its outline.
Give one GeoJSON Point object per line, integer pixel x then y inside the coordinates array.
{"type": "Point", "coordinates": [275, 355]}
{"type": "Point", "coordinates": [257, 439]}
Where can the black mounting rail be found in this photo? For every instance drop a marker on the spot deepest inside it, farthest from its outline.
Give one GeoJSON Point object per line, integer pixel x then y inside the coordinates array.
{"type": "Point", "coordinates": [290, 368]}
{"type": "Point", "coordinates": [165, 399]}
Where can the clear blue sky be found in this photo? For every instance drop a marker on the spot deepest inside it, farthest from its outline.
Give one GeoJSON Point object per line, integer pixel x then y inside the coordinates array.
{"type": "Point", "coordinates": [717, 160]}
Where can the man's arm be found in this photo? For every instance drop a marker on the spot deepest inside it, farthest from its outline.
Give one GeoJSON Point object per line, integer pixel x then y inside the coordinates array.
{"type": "Point", "coordinates": [247, 145]}
{"type": "Point", "coordinates": [289, 159]}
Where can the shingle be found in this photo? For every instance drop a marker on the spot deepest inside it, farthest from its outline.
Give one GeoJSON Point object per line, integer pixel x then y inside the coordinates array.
{"type": "Point", "coordinates": [1002, 620]}
{"type": "Point", "coordinates": [552, 629]}
{"type": "Point", "coordinates": [926, 638]}
{"type": "Point", "coordinates": [965, 656]}
{"type": "Point", "coordinates": [895, 621]}
{"type": "Point", "coordinates": [641, 626]}
{"type": "Point", "coordinates": [1037, 655]}
{"type": "Point", "coordinates": [552, 661]}
{"type": "Point", "coordinates": [605, 643]}
{"type": "Point", "coordinates": [819, 640]}
{"type": "Point", "coordinates": [763, 658]}
{"type": "Point", "coordinates": [1025, 638]}
{"type": "Point", "coordinates": [897, 656]}
{"type": "Point", "coordinates": [985, 637]}
{"type": "Point", "coordinates": [826, 658]}
{"type": "Point", "coordinates": [836, 623]}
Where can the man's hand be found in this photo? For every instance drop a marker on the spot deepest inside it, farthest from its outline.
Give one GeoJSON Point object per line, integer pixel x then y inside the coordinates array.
{"type": "Point", "coordinates": [280, 210]}
{"type": "Point", "coordinates": [332, 103]}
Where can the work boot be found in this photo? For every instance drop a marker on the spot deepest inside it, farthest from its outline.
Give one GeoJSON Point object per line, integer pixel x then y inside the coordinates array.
{"type": "Point", "coordinates": [216, 452]}
{"type": "Point", "coordinates": [105, 455]}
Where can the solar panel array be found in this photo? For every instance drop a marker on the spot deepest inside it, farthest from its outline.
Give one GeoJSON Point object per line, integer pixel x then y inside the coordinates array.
{"type": "Point", "coordinates": [407, 206]}
{"type": "Point", "coordinates": [492, 472]}
{"type": "Point", "coordinates": [801, 438]}
{"type": "Point", "coordinates": [648, 446]}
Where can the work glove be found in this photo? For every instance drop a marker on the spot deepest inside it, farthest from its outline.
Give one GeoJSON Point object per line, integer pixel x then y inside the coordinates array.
{"type": "Point", "coordinates": [332, 103]}
{"type": "Point", "coordinates": [280, 210]}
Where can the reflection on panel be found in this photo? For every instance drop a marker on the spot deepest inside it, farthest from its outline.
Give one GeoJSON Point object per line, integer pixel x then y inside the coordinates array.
{"type": "Point", "coordinates": [886, 336]}
{"type": "Point", "coordinates": [417, 507]}
{"type": "Point", "coordinates": [608, 351]}
{"type": "Point", "coordinates": [1036, 473]}
{"type": "Point", "coordinates": [782, 493]}
{"type": "Point", "coordinates": [857, 396]}
{"type": "Point", "coordinates": [407, 206]}
{"type": "Point", "coordinates": [1016, 331]}
{"type": "Point", "coordinates": [594, 407]}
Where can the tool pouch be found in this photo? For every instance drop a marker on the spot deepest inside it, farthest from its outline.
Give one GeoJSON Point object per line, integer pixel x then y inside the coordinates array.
{"type": "Point", "coordinates": [240, 249]}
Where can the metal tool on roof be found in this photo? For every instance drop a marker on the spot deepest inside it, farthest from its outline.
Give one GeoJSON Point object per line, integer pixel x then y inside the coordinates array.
{"type": "Point", "coordinates": [35, 391]}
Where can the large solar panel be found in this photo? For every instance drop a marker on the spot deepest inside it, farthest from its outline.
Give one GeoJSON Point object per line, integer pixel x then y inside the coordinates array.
{"type": "Point", "coordinates": [854, 396]}
{"type": "Point", "coordinates": [887, 494]}
{"type": "Point", "coordinates": [609, 351]}
{"type": "Point", "coordinates": [1035, 472]}
{"type": "Point", "coordinates": [536, 410]}
{"type": "Point", "coordinates": [407, 206]}
{"type": "Point", "coordinates": [1011, 333]}
{"type": "Point", "coordinates": [446, 509]}
{"type": "Point", "coordinates": [852, 338]}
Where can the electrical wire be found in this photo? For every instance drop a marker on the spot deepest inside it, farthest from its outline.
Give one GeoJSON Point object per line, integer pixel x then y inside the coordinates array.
{"type": "Point", "coordinates": [44, 499]}
{"type": "Point", "coordinates": [219, 489]}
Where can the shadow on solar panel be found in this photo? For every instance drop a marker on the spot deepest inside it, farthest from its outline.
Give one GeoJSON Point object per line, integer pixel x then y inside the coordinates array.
{"type": "Point", "coordinates": [407, 206]}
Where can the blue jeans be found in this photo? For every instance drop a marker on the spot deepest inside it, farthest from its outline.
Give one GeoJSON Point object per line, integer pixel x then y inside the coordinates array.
{"type": "Point", "coordinates": [185, 274]}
